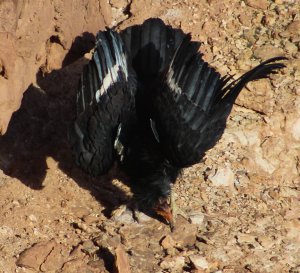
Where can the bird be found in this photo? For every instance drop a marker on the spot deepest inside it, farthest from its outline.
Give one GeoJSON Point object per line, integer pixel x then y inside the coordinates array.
{"type": "Point", "coordinates": [149, 101]}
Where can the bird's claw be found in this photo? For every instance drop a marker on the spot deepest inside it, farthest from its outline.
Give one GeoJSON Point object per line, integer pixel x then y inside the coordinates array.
{"type": "Point", "coordinates": [129, 208]}
{"type": "Point", "coordinates": [119, 211]}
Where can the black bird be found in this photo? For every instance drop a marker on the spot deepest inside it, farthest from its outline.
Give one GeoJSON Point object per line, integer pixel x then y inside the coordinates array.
{"type": "Point", "coordinates": [148, 100]}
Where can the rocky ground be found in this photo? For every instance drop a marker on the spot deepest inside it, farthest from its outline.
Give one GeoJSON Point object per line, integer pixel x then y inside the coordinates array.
{"type": "Point", "coordinates": [243, 200]}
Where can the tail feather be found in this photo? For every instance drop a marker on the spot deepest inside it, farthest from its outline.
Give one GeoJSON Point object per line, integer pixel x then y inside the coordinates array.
{"type": "Point", "coordinates": [263, 70]}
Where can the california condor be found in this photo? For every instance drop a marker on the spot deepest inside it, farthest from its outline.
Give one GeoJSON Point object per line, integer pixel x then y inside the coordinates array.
{"type": "Point", "coordinates": [149, 100]}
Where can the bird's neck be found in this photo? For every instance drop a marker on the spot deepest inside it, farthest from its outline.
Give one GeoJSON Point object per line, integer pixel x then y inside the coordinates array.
{"type": "Point", "coordinates": [150, 172]}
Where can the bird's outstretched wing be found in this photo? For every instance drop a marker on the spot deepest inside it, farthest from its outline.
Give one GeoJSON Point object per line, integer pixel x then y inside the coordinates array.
{"type": "Point", "coordinates": [191, 106]}
{"type": "Point", "coordinates": [105, 96]}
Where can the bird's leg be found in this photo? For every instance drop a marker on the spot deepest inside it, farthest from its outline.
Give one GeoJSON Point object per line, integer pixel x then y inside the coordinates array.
{"type": "Point", "coordinates": [131, 208]}
{"type": "Point", "coordinates": [136, 212]}
{"type": "Point", "coordinates": [119, 211]}
{"type": "Point", "coordinates": [175, 209]}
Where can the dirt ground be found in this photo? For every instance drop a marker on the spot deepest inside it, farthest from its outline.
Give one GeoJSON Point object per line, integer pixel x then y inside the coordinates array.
{"type": "Point", "coordinates": [243, 200]}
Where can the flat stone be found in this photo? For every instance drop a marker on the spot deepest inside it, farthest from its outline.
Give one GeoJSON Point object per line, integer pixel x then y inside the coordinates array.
{"type": "Point", "coordinates": [265, 242]}
{"type": "Point", "coordinates": [199, 262]}
{"type": "Point", "coordinates": [223, 177]}
{"type": "Point", "coordinates": [174, 263]}
{"type": "Point", "coordinates": [89, 247]}
{"type": "Point", "coordinates": [268, 51]}
{"type": "Point", "coordinates": [56, 258]}
{"type": "Point", "coordinates": [167, 242]}
{"type": "Point", "coordinates": [291, 48]}
{"type": "Point", "coordinates": [245, 19]}
{"type": "Point", "coordinates": [80, 212]}
{"type": "Point", "coordinates": [34, 256]}
{"type": "Point", "coordinates": [74, 266]}
{"type": "Point", "coordinates": [197, 218]}
{"type": "Point", "coordinates": [90, 219]}
{"type": "Point", "coordinates": [294, 28]}
{"type": "Point", "coordinates": [258, 4]}
{"type": "Point", "coordinates": [184, 233]}
{"type": "Point", "coordinates": [244, 238]}
{"type": "Point", "coordinates": [6, 231]}
{"type": "Point", "coordinates": [97, 266]}
{"type": "Point", "coordinates": [293, 230]}
{"type": "Point", "coordinates": [293, 212]}
{"type": "Point", "coordinates": [121, 260]}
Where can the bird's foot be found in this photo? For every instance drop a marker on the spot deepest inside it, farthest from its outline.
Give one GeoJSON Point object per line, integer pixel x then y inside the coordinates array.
{"type": "Point", "coordinates": [119, 211]}
{"type": "Point", "coordinates": [127, 213]}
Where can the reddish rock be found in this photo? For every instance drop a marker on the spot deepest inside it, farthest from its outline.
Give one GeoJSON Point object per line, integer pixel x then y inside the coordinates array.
{"type": "Point", "coordinates": [184, 233]}
{"type": "Point", "coordinates": [268, 51]}
{"type": "Point", "coordinates": [167, 242]}
{"type": "Point", "coordinates": [292, 31]}
{"type": "Point", "coordinates": [258, 4]}
{"type": "Point", "coordinates": [121, 261]}
{"type": "Point", "coordinates": [79, 265]}
{"type": "Point", "coordinates": [74, 266]}
{"type": "Point", "coordinates": [55, 259]}
{"type": "Point", "coordinates": [174, 263]}
{"type": "Point", "coordinates": [34, 256]}
{"type": "Point", "coordinates": [39, 37]}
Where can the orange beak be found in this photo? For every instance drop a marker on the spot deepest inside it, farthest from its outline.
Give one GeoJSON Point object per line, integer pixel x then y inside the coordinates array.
{"type": "Point", "coordinates": [163, 209]}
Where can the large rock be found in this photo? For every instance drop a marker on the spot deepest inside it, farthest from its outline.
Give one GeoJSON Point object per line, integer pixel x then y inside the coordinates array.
{"type": "Point", "coordinates": [37, 35]}
{"type": "Point", "coordinates": [46, 256]}
{"type": "Point", "coordinates": [258, 4]}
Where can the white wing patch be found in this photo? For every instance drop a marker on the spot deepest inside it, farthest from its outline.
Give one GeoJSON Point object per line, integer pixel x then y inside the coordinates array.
{"type": "Point", "coordinates": [172, 83]}
{"type": "Point", "coordinates": [107, 81]}
{"type": "Point", "coordinates": [113, 70]}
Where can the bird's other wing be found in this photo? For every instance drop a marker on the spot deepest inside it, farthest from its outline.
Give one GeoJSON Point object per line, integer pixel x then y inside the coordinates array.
{"type": "Point", "coordinates": [105, 96]}
{"type": "Point", "coordinates": [151, 47]}
{"type": "Point", "coordinates": [193, 102]}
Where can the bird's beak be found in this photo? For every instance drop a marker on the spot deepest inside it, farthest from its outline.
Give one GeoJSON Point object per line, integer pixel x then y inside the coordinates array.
{"type": "Point", "coordinates": [163, 209]}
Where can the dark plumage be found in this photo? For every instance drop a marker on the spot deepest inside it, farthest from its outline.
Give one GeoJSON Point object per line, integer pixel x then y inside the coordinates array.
{"type": "Point", "coordinates": [149, 100]}
{"type": "Point", "coordinates": [105, 99]}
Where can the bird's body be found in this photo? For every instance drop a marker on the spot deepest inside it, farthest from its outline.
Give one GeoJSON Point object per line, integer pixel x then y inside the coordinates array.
{"type": "Point", "coordinates": [148, 91]}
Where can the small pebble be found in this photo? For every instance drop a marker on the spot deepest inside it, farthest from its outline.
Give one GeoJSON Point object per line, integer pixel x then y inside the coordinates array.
{"type": "Point", "coordinates": [199, 262]}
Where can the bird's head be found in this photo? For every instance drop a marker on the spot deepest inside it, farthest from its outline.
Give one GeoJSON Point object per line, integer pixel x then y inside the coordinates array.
{"type": "Point", "coordinates": [154, 191]}
{"type": "Point", "coordinates": [163, 208]}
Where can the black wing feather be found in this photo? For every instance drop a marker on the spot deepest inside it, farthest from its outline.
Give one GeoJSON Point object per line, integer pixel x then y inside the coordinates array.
{"type": "Point", "coordinates": [105, 97]}
{"type": "Point", "coordinates": [193, 102]}
{"type": "Point", "coordinates": [151, 47]}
